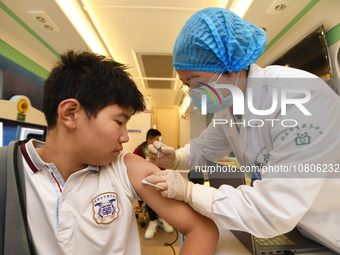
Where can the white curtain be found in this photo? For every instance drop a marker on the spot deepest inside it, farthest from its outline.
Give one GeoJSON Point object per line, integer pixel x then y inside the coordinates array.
{"type": "Point", "coordinates": [167, 122]}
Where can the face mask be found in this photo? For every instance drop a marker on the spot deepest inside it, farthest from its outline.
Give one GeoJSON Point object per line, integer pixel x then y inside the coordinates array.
{"type": "Point", "coordinates": [213, 103]}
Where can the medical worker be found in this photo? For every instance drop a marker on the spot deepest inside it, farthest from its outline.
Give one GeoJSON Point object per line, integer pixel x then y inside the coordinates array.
{"type": "Point", "coordinates": [300, 138]}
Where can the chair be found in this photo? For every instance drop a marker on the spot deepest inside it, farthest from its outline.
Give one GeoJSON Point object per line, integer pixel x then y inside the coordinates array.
{"type": "Point", "coordinates": [141, 210]}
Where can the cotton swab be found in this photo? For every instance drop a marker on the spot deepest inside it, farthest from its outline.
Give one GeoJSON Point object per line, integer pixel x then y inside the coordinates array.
{"type": "Point", "coordinates": [146, 182]}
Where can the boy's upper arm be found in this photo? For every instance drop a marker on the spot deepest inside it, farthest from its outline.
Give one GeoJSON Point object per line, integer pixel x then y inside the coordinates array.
{"type": "Point", "coordinates": [178, 214]}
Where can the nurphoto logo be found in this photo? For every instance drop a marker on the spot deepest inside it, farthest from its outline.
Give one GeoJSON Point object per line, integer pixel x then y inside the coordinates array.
{"type": "Point", "coordinates": [239, 104]}
{"type": "Point", "coordinates": [238, 100]}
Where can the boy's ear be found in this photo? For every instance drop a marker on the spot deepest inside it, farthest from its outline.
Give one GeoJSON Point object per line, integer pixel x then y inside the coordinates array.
{"type": "Point", "coordinates": [68, 112]}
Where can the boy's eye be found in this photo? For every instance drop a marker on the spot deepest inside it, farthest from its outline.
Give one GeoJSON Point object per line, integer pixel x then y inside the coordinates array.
{"type": "Point", "coordinates": [119, 123]}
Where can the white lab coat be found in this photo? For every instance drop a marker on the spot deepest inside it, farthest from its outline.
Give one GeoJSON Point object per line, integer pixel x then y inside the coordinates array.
{"type": "Point", "coordinates": [276, 205]}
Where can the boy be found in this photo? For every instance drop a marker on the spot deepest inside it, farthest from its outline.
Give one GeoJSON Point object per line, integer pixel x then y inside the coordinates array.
{"type": "Point", "coordinates": [79, 184]}
{"type": "Point", "coordinates": [142, 150]}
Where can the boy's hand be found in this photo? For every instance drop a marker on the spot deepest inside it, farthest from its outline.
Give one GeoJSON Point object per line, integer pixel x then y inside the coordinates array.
{"type": "Point", "coordinates": [166, 158]}
{"type": "Point", "coordinates": [174, 184]}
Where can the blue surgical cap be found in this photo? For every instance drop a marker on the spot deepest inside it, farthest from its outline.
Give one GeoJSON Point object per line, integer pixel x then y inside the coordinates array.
{"type": "Point", "coordinates": [217, 40]}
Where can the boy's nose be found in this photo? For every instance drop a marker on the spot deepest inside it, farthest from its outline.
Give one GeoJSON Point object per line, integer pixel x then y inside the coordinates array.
{"type": "Point", "coordinates": [124, 137]}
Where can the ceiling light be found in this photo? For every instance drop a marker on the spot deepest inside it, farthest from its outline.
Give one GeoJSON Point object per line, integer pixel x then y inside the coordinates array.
{"type": "Point", "coordinates": [44, 21]}
{"type": "Point", "coordinates": [134, 55]}
{"type": "Point", "coordinates": [278, 7]}
{"type": "Point", "coordinates": [79, 20]}
{"type": "Point", "coordinates": [240, 7]}
{"type": "Point", "coordinates": [186, 104]}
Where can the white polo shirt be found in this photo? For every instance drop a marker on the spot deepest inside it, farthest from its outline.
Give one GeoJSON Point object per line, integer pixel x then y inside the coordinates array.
{"type": "Point", "coordinates": [92, 213]}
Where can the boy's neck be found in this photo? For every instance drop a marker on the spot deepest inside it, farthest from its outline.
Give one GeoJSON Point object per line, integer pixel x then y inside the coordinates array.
{"type": "Point", "coordinates": [60, 155]}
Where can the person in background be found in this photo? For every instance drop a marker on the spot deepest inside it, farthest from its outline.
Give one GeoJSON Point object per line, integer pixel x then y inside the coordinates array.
{"type": "Point", "coordinates": [155, 221]}
{"type": "Point", "coordinates": [299, 139]}
{"type": "Point", "coordinates": [79, 185]}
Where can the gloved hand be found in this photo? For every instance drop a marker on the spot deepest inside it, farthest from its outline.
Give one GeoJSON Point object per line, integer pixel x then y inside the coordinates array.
{"type": "Point", "coordinates": [199, 197]}
{"type": "Point", "coordinates": [174, 184]}
{"type": "Point", "coordinates": [167, 157]}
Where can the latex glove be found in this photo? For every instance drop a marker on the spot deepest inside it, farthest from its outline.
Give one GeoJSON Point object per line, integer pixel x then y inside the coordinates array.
{"type": "Point", "coordinates": [174, 184]}
{"type": "Point", "coordinates": [167, 158]}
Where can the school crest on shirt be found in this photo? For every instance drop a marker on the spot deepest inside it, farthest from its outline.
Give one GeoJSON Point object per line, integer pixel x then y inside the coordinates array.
{"type": "Point", "coordinates": [105, 208]}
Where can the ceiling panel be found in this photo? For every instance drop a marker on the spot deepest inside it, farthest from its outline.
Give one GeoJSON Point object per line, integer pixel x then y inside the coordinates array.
{"type": "Point", "coordinates": [323, 13]}
{"type": "Point", "coordinates": [157, 3]}
{"type": "Point", "coordinates": [258, 15]}
{"type": "Point", "coordinates": [159, 84]}
{"type": "Point", "coordinates": [152, 26]}
{"type": "Point", "coordinates": [157, 65]}
{"type": "Point", "coordinates": [68, 36]}
{"type": "Point", "coordinates": [129, 27]}
{"type": "Point", "coordinates": [30, 47]}
{"type": "Point", "coordinates": [154, 33]}
{"type": "Point", "coordinates": [157, 32]}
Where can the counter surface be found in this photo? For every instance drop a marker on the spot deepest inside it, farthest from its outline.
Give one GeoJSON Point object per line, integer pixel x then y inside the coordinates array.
{"type": "Point", "coordinates": [229, 244]}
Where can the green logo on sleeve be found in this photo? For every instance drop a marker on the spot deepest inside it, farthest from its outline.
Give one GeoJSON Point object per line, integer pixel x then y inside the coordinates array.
{"type": "Point", "coordinates": [302, 139]}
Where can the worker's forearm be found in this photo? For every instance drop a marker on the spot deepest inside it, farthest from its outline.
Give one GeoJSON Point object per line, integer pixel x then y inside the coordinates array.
{"type": "Point", "coordinates": [202, 240]}
{"type": "Point", "coordinates": [201, 198]}
{"type": "Point", "coordinates": [182, 161]}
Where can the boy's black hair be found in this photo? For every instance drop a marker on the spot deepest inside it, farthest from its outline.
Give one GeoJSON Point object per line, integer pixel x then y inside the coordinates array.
{"type": "Point", "coordinates": [152, 133]}
{"type": "Point", "coordinates": [94, 80]}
